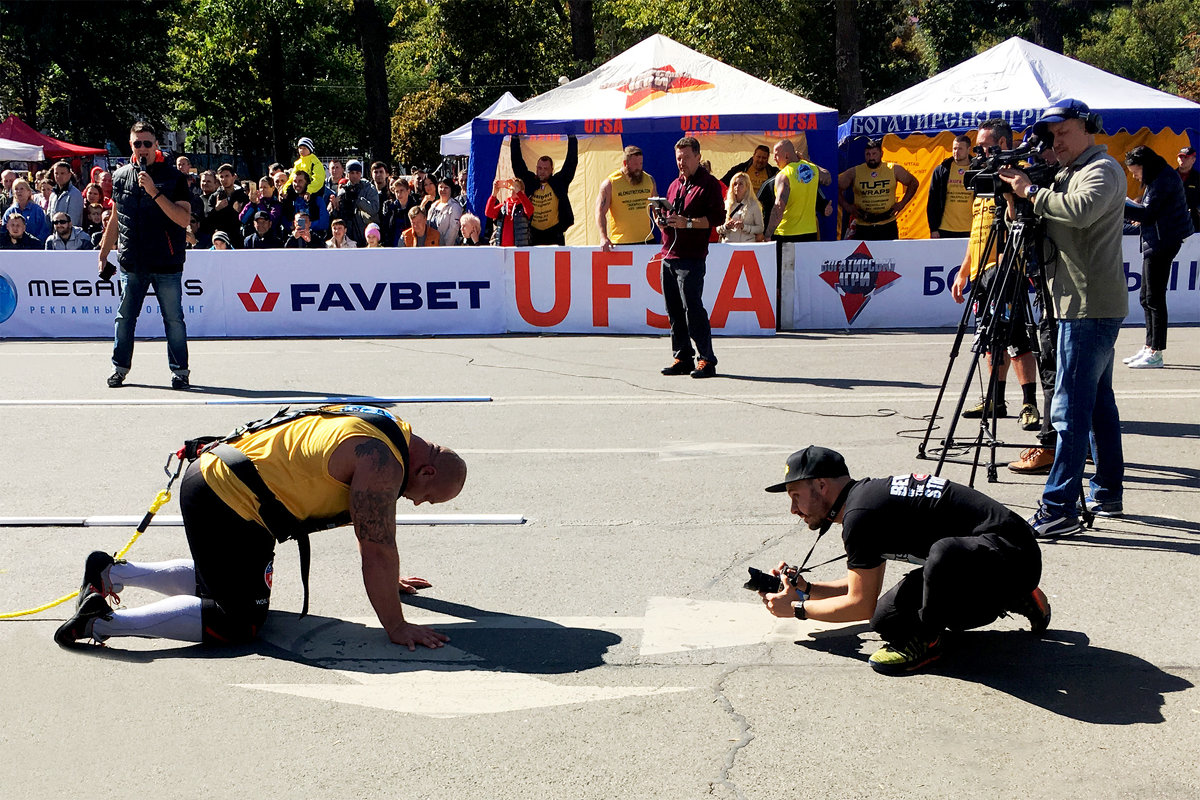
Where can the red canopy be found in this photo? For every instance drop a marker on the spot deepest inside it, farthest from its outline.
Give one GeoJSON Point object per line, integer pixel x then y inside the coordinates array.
{"type": "Point", "coordinates": [13, 128]}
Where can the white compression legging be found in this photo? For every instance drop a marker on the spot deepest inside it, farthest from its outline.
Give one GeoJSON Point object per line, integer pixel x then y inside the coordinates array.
{"type": "Point", "coordinates": [176, 617]}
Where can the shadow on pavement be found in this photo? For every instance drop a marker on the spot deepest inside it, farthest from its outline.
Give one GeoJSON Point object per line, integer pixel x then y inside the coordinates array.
{"type": "Point", "coordinates": [1170, 430]}
{"type": "Point", "coordinates": [479, 640]}
{"type": "Point", "coordinates": [829, 383]}
{"type": "Point", "coordinates": [1062, 673]}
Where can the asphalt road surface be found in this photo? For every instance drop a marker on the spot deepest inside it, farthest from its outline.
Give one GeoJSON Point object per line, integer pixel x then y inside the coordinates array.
{"type": "Point", "coordinates": [606, 647]}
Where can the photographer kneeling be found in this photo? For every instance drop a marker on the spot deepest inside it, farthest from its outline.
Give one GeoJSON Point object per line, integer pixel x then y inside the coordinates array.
{"type": "Point", "coordinates": [978, 560]}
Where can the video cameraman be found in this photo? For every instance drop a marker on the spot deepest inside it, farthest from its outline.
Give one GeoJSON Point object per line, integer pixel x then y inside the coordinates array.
{"type": "Point", "coordinates": [1083, 211]}
{"type": "Point", "coordinates": [997, 133]}
{"type": "Point", "coordinates": [978, 560]}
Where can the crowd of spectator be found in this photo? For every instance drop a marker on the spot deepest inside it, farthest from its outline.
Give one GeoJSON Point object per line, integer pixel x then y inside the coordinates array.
{"type": "Point", "coordinates": [335, 204]}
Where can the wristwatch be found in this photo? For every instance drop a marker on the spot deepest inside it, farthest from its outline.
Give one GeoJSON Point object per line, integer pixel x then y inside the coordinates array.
{"type": "Point", "coordinates": [689, 222]}
{"type": "Point", "coordinates": [800, 614]}
{"type": "Point", "coordinates": [1031, 190]}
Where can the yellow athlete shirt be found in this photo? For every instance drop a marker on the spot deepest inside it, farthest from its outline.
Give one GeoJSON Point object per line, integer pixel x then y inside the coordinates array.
{"type": "Point", "coordinates": [958, 214]}
{"type": "Point", "coordinates": [757, 178]}
{"type": "Point", "coordinates": [293, 461]}
{"type": "Point", "coordinates": [628, 222]}
{"type": "Point", "coordinates": [800, 216]}
{"type": "Point", "coordinates": [545, 208]}
{"type": "Point", "coordinates": [875, 191]}
{"type": "Point", "coordinates": [981, 222]}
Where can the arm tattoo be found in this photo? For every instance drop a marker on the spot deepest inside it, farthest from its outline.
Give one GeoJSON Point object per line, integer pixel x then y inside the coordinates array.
{"type": "Point", "coordinates": [376, 451]}
{"type": "Point", "coordinates": [370, 511]}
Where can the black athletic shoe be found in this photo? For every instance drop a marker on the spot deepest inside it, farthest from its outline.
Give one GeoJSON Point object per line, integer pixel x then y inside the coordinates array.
{"type": "Point", "coordinates": [80, 626]}
{"type": "Point", "coordinates": [116, 379]}
{"type": "Point", "coordinates": [680, 366]}
{"type": "Point", "coordinates": [1036, 608]}
{"type": "Point", "coordinates": [704, 369]}
{"type": "Point", "coordinates": [93, 577]}
{"type": "Point", "coordinates": [180, 382]}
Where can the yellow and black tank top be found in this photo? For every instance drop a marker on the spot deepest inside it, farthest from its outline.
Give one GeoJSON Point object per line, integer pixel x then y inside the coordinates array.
{"type": "Point", "coordinates": [800, 216]}
{"type": "Point", "coordinates": [875, 191]}
{"type": "Point", "coordinates": [957, 216]}
{"type": "Point", "coordinates": [545, 207]}
{"type": "Point", "coordinates": [293, 461]}
{"type": "Point", "coordinates": [628, 222]}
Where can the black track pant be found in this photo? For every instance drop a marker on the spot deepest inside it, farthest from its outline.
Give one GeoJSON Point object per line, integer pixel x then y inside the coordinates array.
{"type": "Point", "coordinates": [234, 563]}
{"type": "Point", "coordinates": [966, 582]}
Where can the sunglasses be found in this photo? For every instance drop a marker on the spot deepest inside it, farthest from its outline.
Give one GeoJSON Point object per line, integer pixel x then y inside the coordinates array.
{"type": "Point", "coordinates": [146, 144]}
{"type": "Point", "coordinates": [62, 222]}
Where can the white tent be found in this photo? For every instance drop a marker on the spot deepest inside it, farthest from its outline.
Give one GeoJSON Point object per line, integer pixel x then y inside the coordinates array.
{"type": "Point", "coordinates": [649, 96]}
{"type": "Point", "coordinates": [458, 141]}
{"type": "Point", "coordinates": [19, 151]}
{"type": "Point", "coordinates": [1017, 80]}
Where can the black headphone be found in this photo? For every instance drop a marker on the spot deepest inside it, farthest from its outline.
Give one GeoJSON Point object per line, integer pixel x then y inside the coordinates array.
{"type": "Point", "coordinates": [1073, 109]}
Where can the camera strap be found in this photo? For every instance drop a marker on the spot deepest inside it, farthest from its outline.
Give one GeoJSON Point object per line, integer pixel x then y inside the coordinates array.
{"type": "Point", "coordinates": [834, 510]}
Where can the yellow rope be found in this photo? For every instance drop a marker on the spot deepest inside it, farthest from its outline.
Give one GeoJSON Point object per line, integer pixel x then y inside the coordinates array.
{"type": "Point", "coordinates": [160, 500]}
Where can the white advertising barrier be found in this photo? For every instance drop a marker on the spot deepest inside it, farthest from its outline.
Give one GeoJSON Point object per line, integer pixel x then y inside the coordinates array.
{"type": "Point", "coordinates": [585, 290]}
{"type": "Point", "coordinates": [376, 292]}
{"type": "Point", "coordinates": [906, 284]}
{"type": "Point", "coordinates": [59, 295]}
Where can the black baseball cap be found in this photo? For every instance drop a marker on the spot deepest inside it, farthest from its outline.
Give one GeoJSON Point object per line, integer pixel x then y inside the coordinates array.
{"type": "Point", "coordinates": [812, 462]}
{"type": "Point", "coordinates": [262, 215]}
{"type": "Point", "coordinates": [1187, 151]}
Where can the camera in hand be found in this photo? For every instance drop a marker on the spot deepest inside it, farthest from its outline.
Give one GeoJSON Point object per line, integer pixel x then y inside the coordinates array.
{"type": "Point", "coordinates": [982, 179]}
{"type": "Point", "coordinates": [760, 581]}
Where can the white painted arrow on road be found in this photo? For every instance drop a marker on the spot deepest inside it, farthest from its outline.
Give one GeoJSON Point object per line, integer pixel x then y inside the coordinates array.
{"type": "Point", "coordinates": [444, 682]}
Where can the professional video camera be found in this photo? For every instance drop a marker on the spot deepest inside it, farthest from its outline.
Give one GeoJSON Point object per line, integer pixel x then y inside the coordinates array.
{"type": "Point", "coordinates": [981, 177]}
{"type": "Point", "coordinates": [766, 582]}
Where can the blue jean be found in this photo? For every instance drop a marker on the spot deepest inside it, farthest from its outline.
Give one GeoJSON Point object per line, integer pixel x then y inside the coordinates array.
{"type": "Point", "coordinates": [1084, 413]}
{"type": "Point", "coordinates": [168, 289]}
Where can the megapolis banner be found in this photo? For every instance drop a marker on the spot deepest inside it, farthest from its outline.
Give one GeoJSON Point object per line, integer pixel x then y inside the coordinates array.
{"type": "Point", "coordinates": [59, 295]}
{"type": "Point", "coordinates": [906, 284]}
{"type": "Point", "coordinates": [584, 290]}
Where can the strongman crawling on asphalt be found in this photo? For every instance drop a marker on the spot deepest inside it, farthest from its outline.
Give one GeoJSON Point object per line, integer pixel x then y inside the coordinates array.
{"type": "Point", "coordinates": [279, 479]}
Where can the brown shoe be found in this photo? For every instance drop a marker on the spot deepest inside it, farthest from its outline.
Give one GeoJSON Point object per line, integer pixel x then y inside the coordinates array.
{"type": "Point", "coordinates": [1034, 461]}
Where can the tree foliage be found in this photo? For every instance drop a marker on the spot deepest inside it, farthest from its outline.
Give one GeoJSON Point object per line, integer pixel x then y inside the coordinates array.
{"type": "Point", "coordinates": [423, 116]}
{"type": "Point", "coordinates": [257, 74]}
{"type": "Point", "coordinates": [84, 70]}
{"type": "Point", "coordinates": [1141, 41]}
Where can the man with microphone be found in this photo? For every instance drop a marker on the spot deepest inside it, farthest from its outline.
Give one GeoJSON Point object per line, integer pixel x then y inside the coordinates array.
{"type": "Point", "coordinates": [153, 209]}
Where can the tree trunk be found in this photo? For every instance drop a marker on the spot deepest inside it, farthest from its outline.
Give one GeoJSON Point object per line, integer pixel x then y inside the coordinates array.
{"type": "Point", "coordinates": [373, 34]}
{"type": "Point", "coordinates": [850, 87]}
{"type": "Point", "coordinates": [1045, 25]}
{"type": "Point", "coordinates": [280, 146]}
{"type": "Point", "coordinates": [583, 30]}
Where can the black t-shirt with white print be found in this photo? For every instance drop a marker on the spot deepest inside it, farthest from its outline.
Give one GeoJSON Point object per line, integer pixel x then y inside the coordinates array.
{"type": "Point", "coordinates": [899, 518]}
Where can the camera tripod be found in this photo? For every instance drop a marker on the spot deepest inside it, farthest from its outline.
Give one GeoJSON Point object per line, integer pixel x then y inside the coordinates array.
{"type": "Point", "coordinates": [1001, 302]}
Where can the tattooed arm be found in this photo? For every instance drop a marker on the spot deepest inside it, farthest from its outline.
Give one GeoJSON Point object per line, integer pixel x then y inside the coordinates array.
{"type": "Point", "coordinates": [375, 483]}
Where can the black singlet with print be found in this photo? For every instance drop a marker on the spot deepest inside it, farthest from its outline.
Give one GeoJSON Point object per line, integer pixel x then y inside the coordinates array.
{"type": "Point", "coordinates": [899, 518]}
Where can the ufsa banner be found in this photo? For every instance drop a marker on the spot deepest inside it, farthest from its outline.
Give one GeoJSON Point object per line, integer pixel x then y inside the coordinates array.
{"type": "Point", "coordinates": [390, 292]}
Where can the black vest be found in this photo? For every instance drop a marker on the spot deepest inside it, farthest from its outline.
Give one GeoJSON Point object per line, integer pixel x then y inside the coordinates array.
{"type": "Point", "coordinates": [149, 240]}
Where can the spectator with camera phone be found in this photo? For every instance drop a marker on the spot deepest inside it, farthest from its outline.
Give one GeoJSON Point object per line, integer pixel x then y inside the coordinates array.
{"type": "Point", "coordinates": [511, 215]}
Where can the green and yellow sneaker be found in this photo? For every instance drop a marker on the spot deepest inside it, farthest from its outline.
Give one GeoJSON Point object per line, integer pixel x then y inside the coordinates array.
{"type": "Point", "coordinates": [900, 659]}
